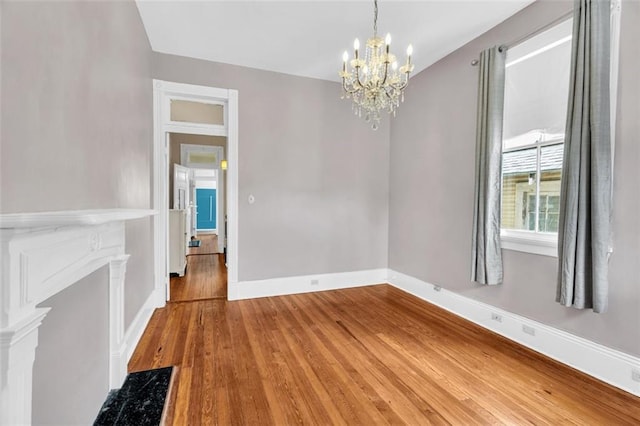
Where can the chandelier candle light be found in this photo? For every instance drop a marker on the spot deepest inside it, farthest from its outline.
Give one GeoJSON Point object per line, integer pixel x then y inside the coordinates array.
{"type": "Point", "coordinates": [375, 83]}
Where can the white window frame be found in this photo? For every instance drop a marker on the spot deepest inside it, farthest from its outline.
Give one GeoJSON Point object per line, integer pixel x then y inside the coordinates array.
{"type": "Point", "coordinates": [536, 242]}
{"type": "Point", "coordinates": [545, 191]}
{"type": "Point", "coordinates": [545, 243]}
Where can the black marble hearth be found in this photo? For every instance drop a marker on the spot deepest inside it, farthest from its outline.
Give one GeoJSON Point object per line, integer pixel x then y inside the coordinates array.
{"type": "Point", "coordinates": [140, 401]}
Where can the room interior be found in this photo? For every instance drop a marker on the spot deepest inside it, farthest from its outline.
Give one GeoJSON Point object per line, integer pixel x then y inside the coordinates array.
{"type": "Point", "coordinates": [336, 205]}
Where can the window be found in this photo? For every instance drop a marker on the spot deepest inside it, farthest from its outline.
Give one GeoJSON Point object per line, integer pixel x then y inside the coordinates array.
{"type": "Point", "coordinates": [196, 112]}
{"type": "Point", "coordinates": [535, 111]}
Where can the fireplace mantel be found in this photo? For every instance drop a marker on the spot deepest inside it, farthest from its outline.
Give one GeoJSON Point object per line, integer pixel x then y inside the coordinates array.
{"type": "Point", "coordinates": [42, 254]}
{"type": "Point", "coordinates": [69, 218]}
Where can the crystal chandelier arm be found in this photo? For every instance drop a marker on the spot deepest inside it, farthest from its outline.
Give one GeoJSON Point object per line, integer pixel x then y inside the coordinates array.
{"type": "Point", "coordinates": [403, 85]}
{"type": "Point", "coordinates": [357, 79]}
{"type": "Point", "coordinates": [386, 72]}
{"type": "Point", "coordinates": [351, 90]}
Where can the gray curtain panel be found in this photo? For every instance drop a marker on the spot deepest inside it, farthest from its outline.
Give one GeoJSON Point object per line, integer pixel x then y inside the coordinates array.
{"type": "Point", "coordinates": [486, 267]}
{"type": "Point", "coordinates": [585, 197]}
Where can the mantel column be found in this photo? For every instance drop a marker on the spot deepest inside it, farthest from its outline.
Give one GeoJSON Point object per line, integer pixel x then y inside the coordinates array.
{"type": "Point", "coordinates": [118, 361]}
{"type": "Point", "coordinates": [17, 353]}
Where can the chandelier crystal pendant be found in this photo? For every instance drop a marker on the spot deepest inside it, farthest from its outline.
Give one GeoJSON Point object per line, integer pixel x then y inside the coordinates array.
{"type": "Point", "coordinates": [375, 83]}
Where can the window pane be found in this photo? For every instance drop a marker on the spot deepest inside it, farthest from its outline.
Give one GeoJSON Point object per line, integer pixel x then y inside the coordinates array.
{"type": "Point", "coordinates": [537, 87]}
{"type": "Point", "coordinates": [531, 213]}
{"type": "Point", "coordinates": [535, 108]}
{"type": "Point", "coordinates": [550, 178]}
{"type": "Point", "coordinates": [519, 189]}
{"type": "Point", "coordinates": [197, 112]}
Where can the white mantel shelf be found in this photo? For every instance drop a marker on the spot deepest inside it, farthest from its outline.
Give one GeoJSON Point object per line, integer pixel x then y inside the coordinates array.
{"type": "Point", "coordinates": [41, 254]}
{"type": "Point", "coordinates": [70, 218]}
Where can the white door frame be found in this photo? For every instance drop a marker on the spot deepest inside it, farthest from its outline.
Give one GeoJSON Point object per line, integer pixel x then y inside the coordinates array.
{"type": "Point", "coordinates": [163, 93]}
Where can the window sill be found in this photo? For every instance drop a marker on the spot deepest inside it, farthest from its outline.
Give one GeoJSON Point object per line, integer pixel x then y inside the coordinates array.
{"type": "Point", "coordinates": [529, 242]}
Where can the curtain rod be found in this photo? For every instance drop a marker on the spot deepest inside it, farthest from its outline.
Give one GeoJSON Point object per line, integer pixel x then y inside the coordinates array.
{"type": "Point", "coordinates": [534, 33]}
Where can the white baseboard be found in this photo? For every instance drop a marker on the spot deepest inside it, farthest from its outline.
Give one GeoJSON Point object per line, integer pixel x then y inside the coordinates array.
{"type": "Point", "coordinates": [609, 365]}
{"type": "Point", "coordinates": [134, 331]}
{"type": "Point", "coordinates": [304, 284]}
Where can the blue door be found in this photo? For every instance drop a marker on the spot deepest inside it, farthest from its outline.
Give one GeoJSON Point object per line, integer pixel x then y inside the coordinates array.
{"type": "Point", "coordinates": [206, 208]}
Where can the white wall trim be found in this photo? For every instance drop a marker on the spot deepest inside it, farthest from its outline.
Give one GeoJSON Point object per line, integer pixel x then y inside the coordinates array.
{"type": "Point", "coordinates": [233, 185]}
{"type": "Point", "coordinates": [303, 284]}
{"type": "Point", "coordinates": [606, 364]}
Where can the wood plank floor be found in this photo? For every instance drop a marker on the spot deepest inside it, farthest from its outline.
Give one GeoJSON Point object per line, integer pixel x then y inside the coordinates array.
{"type": "Point", "coordinates": [205, 278]}
{"type": "Point", "coordinates": [371, 355]}
{"type": "Point", "coordinates": [208, 244]}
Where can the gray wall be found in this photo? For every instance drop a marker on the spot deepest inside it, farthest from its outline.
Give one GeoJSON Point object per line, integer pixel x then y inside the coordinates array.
{"type": "Point", "coordinates": [77, 128]}
{"type": "Point", "coordinates": [69, 385]}
{"type": "Point", "coordinates": [319, 176]}
{"type": "Point", "coordinates": [432, 165]}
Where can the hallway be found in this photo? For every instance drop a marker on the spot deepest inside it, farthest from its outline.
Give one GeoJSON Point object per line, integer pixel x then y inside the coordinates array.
{"type": "Point", "coordinates": [206, 276]}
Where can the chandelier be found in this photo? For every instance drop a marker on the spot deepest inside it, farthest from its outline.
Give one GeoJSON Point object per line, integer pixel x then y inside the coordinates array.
{"type": "Point", "coordinates": [374, 82]}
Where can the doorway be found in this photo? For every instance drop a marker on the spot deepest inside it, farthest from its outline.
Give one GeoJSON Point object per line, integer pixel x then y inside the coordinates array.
{"type": "Point", "coordinates": [205, 157]}
{"type": "Point", "coordinates": [197, 185]}
{"type": "Point", "coordinates": [218, 117]}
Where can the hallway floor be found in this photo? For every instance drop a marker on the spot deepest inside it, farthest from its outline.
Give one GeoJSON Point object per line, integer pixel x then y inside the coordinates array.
{"type": "Point", "coordinates": [206, 276]}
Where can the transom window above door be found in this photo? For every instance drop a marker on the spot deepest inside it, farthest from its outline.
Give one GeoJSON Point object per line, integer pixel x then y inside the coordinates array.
{"type": "Point", "coordinates": [197, 112]}
{"type": "Point", "coordinates": [201, 156]}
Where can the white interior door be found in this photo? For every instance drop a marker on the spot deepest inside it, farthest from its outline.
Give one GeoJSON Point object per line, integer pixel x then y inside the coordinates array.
{"type": "Point", "coordinates": [193, 207]}
{"type": "Point", "coordinates": [182, 193]}
{"type": "Point", "coordinates": [220, 204]}
{"type": "Point", "coordinates": [180, 187]}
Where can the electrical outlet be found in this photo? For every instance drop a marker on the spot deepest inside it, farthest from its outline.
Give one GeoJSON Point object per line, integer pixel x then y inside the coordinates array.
{"type": "Point", "coordinates": [315, 282]}
{"type": "Point", "coordinates": [635, 375]}
{"type": "Point", "coordinates": [529, 330]}
{"type": "Point", "coordinates": [496, 317]}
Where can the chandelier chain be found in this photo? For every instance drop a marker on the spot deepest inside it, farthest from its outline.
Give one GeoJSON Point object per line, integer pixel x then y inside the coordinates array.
{"type": "Point", "coordinates": [375, 18]}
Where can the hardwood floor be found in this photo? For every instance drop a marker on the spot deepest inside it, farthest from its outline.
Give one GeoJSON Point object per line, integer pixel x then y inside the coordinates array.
{"type": "Point", "coordinates": [208, 244]}
{"type": "Point", "coordinates": [371, 355]}
{"type": "Point", "coordinates": [206, 275]}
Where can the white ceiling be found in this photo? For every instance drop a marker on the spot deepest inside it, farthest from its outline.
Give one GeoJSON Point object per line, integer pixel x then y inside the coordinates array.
{"type": "Point", "coordinates": [307, 38]}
